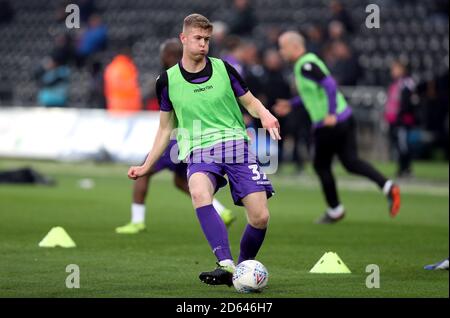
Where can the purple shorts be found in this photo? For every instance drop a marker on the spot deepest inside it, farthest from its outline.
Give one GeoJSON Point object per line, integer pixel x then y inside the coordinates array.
{"type": "Point", "coordinates": [165, 162]}
{"type": "Point", "coordinates": [244, 177]}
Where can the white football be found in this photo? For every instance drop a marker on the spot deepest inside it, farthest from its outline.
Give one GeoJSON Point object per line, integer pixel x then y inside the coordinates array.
{"type": "Point", "coordinates": [250, 277]}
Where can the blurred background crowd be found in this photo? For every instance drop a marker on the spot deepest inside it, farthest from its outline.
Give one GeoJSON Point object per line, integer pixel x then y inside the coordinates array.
{"type": "Point", "coordinates": [394, 76]}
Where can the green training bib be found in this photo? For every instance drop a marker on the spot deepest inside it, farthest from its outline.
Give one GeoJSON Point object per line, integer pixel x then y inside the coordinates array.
{"type": "Point", "coordinates": [312, 94]}
{"type": "Point", "coordinates": [206, 113]}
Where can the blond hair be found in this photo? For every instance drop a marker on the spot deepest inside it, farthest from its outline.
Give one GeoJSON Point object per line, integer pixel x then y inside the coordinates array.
{"type": "Point", "coordinates": [196, 20]}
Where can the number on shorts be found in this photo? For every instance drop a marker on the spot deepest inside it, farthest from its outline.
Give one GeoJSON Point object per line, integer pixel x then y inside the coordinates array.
{"type": "Point", "coordinates": [257, 174]}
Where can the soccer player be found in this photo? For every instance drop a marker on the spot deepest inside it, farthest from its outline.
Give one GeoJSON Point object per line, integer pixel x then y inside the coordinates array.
{"type": "Point", "coordinates": [334, 126]}
{"type": "Point", "coordinates": [170, 53]}
{"type": "Point", "coordinates": [199, 98]}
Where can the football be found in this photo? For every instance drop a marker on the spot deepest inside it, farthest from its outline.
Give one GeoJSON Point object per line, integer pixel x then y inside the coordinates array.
{"type": "Point", "coordinates": [250, 277]}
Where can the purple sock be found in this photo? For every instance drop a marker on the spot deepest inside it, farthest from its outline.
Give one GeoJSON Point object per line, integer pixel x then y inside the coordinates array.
{"type": "Point", "coordinates": [215, 231]}
{"type": "Point", "coordinates": [251, 242]}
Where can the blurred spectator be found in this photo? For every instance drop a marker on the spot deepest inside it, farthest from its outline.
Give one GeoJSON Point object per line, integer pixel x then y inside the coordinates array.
{"type": "Point", "coordinates": [93, 39]}
{"type": "Point", "coordinates": [122, 90]}
{"type": "Point", "coordinates": [435, 105]}
{"type": "Point", "coordinates": [336, 31]}
{"type": "Point", "coordinates": [252, 73]}
{"type": "Point", "coordinates": [218, 38]}
{"type": "Point", "coordinates": [63, 52]}
{"type": "Point", "coordinates": [339, 13]}
{"type": "Point", "coordinates": [253, 69]}
{"type": "Point", "coordinates": [243, 20]}
{"type": "Point", "coordinates": [276, 86]}
{"type": "Point", "coordinates": [342, 63]}
{"type": "Point", "coordinates": [399, 113]}
{"type": "Point", "coordinates": [315, 39]}
{"type": "Point", "coordinates": [274, 83]}
{"type": "Point", "coordinates": [96, 96]}
{"type": "Point", "coordinates": [6, 12]}
{"type": "Point", "coordinates": [87, 8]}
{"type": "Point", "coordinates": [271, 34]}
{"type": "Point", "coordinates": [233, 53]}
{"type": "Point", "coordinates": [53, 82]}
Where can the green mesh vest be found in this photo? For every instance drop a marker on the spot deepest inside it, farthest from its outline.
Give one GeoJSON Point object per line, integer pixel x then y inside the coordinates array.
{"type": "Point", "coordinates": [206, 113]}
{"type": "Point", "coordinates": [312, 94]}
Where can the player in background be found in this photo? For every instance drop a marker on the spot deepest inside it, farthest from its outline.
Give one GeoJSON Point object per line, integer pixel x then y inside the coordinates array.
{"type": "Point", "coordinates": [171, 52]}
{"type": "Point", "coordinates": [334, 126]}
{"type": "Point", "coordinates": [199, 99]}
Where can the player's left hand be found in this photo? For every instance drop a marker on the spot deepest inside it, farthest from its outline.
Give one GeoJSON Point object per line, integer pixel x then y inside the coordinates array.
{"type": "Point", "coordinates": [271, 124]}
{"type": "Point", "coordinates": [330, 120]}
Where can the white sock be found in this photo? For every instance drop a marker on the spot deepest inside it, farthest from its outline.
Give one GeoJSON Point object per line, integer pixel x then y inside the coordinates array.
{"type": "Point", "coordinates": [336, 212]}
{"type": "Point", "coordinates": [218, 206]}
{"type": "Point", "coordinates": [387, 186]}
{"type": "Point", "coordinates": [137, 213]}
{"type": "Point", "coordinates": [227, 262]}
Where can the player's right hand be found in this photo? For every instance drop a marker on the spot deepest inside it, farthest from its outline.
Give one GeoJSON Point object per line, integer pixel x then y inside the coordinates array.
{"type": "Point", "coordinates": [271, 124]}
{"type": "Point", "coordinates": [135, 172]}
{"type": "Point", "coordinates": [282, 107]}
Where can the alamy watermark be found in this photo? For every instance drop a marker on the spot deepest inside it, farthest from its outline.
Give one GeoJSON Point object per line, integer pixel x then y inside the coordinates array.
{"type": "Point", "coordinates": [73, 18]}
{"type": "Point", "coordinates": [373, 279]}
{"type": "Point", "coordinates": [373, 19]}
{"type": "Point", "coordinates": [73, 279]}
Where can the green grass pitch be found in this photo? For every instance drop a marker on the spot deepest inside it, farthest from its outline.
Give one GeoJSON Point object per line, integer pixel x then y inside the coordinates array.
{"type": "Point", "coordinates": [165, 260]}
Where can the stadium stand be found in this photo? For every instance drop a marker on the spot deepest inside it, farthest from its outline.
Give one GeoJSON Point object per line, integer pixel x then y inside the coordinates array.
{"type": "Point", "coordinates": [413, 30]}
